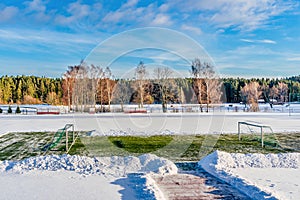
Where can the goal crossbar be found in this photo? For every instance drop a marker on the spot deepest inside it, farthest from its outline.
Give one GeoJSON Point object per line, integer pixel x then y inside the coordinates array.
{"type": "Point", "coordinates": [261, 126]}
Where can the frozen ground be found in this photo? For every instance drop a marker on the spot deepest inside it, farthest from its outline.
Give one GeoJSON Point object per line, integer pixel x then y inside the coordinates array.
{"type": "Point", "coordinates": [271, 176]}
{"type": "Point", "coordinates": [149, 124]}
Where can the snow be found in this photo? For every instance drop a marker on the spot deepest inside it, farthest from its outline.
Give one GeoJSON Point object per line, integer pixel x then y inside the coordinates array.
{"type": "Point", "coordinates": [115, 166]}
{"type": "Point", "coordinates": [77, 177]}
{"type": "Point", "coordinates": [150, 123]}
{"type": "Point", "coordinates": [56, 185]}
{"type": "Point", "coordinates": [282, 183]}
{"type": "Point", "coordinates": [270, 176]}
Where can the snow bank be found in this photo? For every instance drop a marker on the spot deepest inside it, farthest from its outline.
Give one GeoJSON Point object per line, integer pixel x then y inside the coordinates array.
{"type": "Point", "coordinates": [223, 160]}
{"type": "Point", "coordinates": [222, 164]}
{"type": "Point", "coordinates": [114, 166]}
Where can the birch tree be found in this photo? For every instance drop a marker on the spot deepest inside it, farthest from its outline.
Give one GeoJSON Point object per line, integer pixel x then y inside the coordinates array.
{"type": "Point", "coordinates": [109, 86]}
{"type": "Point", "coordinates": [282, 91]}
{"type": "Point", "coordinates": [122, 93]}
{"type": "Point", "coordinates": [206, 84]}
{"type": "Point", "coordinates": [162, 77]}
{"type": "Point", "coordinates": [251, 93]}
{"type": "Point", "coordinates": [140, 83]}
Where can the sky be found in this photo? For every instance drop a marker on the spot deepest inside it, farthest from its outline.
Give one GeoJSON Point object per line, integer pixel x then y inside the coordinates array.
{"type": "Point", "coordinates": [242, 38]}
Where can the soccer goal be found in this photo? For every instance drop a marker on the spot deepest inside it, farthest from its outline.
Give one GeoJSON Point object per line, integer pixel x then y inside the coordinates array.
{"type": "Point", "coordinates": [251, 124]}
{"type": "Point", "coordinates": [59, 135]}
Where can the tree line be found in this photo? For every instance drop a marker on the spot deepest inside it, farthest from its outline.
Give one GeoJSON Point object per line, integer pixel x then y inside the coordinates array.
{"type": "Point", "coordinates": [83, 86]}
{"type": "Point", "coordinates": [30, 90]}
{"type": "Point", "coordinates": [282, 90]}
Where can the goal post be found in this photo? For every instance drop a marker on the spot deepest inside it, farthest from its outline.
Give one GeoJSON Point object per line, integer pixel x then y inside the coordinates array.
{"type": "Point", "coordinates": [261, 126]}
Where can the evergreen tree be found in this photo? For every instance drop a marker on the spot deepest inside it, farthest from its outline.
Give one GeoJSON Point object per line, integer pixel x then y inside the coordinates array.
{"type": "Point", "coordinates": [18, 110]}
{"type": "Point", "coordinates": [9, 110]}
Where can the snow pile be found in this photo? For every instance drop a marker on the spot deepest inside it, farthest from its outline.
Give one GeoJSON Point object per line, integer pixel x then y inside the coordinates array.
{"type": "Point", "coordinates": [222, 160]}
{"type": "Point", "coordinates": [226, 167]}
{"type": "Point", "coordinates": [114, 166]}
{"type": "Point", "coordinates": [129, 132]}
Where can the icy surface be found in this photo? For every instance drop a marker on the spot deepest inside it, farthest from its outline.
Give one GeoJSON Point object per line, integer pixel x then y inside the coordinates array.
{"type": "Point", "coordinates": [254, 174]}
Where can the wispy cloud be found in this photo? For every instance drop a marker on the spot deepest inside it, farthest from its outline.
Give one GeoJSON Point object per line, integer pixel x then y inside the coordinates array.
{"type": "Point", "coordinates": [237, 14]}
{"type": "Point", "coordinates": [44, 37]}
{"type": "Point", "coordinates": [8, 13]}
{"type": "Point", "coordinates": [236, 32]}
{"type": "Point", "coordinates": [193, 29]}
{"type": "Point", "coordinates": [265, 41]}
{"type": "Point", "coordinates": [293, 58]}
{"type": "Point", "coordinates": [221, 14]}
{"type": "Point", "coordinates": [35, 6]}
{"type": "Point", "coordinates": [147, 15]}
{"type": "Point", "coordinates": [36, 10]}
{"type": "Point", "coordinates": [37, 44]}
{"type": "Point", "coordinates": [161, 19]}
{"type": "Point", "coordinates": [76, 12]}
{"type": "Point", "coordinates": [156, 44]}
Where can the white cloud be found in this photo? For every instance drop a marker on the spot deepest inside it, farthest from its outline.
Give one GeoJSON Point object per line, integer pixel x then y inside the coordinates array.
{"type": "Point", "coordinates": [265, 41]}
{"type": "Point", "coordinates": [44, 38]}
{"type": "Point", "coordinates": [194, 29]}
{"type": "Point", "coordinates": [220, 14]}
{"type": "Point", "coordinates": [128, 12]}
{"type": "Point", "coordinates": [294, 58]}
{"type": "Point", "coordinates": [76, 10]}
{"type": "Point", "coordinates": [114, 16]}
{"type": "Point", "coordinates": [132, 16]}
{"type": "Point", "coordinates": [157, 55]}
{"type": "Point", "coordinates": [248, 40]}
{"type": "Point", "coordinates": [8, 13]}
{"type": "Point", "coordinates": [130, 3]}
{"type": "Point", "coordinates": [161, 19]}
{"type": "Point", "coordinates": [158, 44]}
{"type": "Point", "coordinates": [163, 8]}
{"type": "Point", "coordinates": [35, 6]}
{"type": "Point", "coordinates": [253, 51]}
{"type": "Point", "coordinates": [36, 10]}
{"type": "Point", "coordinates": [237, 14]}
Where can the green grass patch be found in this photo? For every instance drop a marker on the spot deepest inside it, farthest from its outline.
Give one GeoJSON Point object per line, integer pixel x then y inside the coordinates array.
{"type": "Point", "coordinates": [16, 146]}
{"type": "Point", "coordinates": [135, 144]}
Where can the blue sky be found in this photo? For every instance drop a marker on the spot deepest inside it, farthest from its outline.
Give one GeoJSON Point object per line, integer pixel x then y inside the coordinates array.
{"type": "Point", "coordinates": [257, 38]}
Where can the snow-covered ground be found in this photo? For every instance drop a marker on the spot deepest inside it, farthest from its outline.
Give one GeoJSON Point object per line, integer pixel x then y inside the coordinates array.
{"type": "Point", "coordinates": [56, 185]}
{"type": "Point", "coordinates": [79, 177]}
{"type": "Point", "coordinates": [76, 177]}
{"type": "Point", "coordinates": [271, 176]}
{"type": "Point", "coordinates": [150, 123]}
